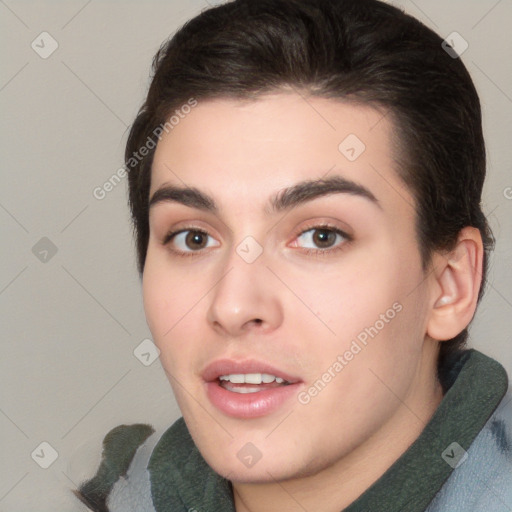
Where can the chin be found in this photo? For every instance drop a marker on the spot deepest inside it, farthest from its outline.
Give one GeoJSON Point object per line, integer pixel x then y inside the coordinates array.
{"type": "Point", "coordinates": [260, 473]}
{"type": "Point", "coordinates": [269, 468]}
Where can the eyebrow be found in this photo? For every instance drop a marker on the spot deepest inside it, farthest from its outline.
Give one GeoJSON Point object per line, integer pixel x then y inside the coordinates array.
{"type": "Point", "coordinates": [285, 199]}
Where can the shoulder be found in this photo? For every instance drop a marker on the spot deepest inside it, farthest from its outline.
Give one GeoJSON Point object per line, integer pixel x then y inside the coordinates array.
{"type": "Point", "coordinates": [134, 458]}
{"type": "Point", "coordinates": [481, 481]}
{"type": "Point", "coordinates": [119, 448]}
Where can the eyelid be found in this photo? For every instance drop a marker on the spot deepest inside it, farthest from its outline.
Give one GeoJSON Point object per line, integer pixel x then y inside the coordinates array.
{"type": "Point", "coordinates": [175, 232]}
{"type": "Point", "coordinates": [327, 226]}
{"type": "Point", "coordinates": [184, 226]}
{"type": "Point", "coordinates": [319, 225]}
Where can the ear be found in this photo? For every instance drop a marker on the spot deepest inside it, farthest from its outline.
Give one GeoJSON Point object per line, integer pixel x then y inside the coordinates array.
{"type": "Point", "coordinates": [457, 277]}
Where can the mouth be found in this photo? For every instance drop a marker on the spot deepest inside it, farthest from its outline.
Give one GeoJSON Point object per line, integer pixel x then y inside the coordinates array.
{"type": "Point", "coordinates": [248, 389]}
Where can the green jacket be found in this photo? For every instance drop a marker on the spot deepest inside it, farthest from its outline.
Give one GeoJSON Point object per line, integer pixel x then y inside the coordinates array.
{"type": "Point", "coordinates": [462, 460]}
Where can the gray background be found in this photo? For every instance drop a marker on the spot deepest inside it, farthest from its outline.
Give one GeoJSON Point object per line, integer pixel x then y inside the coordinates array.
{"type": "Point", "coordinates": [70, 324]}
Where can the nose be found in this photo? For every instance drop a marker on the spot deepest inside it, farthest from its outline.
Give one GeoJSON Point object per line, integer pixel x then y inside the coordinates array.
{"type": "Point", "coordinates": [245, 298]}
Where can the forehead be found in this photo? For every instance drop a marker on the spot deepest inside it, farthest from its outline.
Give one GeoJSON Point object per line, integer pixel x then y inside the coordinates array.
{"type": "Point", "coordinates": [245, 151]}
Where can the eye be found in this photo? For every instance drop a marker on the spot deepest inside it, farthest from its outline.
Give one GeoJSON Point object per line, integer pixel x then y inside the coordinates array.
{"type": "Point", "coordinates": [322, 239]}
{"type": "Point", "coordinates": [188, 241]}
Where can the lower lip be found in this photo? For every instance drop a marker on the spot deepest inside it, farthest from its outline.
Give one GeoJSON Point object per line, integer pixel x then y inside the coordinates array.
{"type": "Point", "coordinates": [250, 405]}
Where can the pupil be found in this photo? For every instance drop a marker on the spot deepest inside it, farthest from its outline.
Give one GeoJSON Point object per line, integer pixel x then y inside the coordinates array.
{"type": "Point", "coordinates": [323, 238]}
{"type": "Point", "coordinates": [194, 238]}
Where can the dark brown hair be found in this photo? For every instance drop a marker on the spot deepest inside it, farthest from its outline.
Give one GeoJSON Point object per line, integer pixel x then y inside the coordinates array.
{"type": "Point", "coordinates": [362, 51]}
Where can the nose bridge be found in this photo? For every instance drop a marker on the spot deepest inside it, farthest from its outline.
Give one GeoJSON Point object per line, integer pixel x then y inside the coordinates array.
{"type": "Point", "coordinates": [245, 293]}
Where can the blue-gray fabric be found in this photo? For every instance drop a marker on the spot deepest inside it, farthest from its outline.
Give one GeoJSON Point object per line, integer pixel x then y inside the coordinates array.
{"type": "Point", "coordinates": [483, 482]}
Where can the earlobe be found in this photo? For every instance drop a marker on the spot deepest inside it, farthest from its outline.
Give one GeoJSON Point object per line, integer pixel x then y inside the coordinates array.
{"type": "Point", "coordinates": [457, 283]}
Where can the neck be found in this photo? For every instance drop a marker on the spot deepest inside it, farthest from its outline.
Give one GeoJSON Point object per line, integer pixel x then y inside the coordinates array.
{"type": "Point", "coordinates": [337, 486]}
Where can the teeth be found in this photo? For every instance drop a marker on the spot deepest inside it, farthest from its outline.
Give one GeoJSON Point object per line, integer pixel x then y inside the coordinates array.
{"type": "Point", "coordinates": [242, 390]}
{"type": "Point", "coordinates": [251, 378]}
{"type": "Point", "coordinates": [235, 378]}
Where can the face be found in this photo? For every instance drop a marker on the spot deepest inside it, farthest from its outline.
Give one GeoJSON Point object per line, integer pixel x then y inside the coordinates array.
{"type": "Point", "coordinates": [284, 314]}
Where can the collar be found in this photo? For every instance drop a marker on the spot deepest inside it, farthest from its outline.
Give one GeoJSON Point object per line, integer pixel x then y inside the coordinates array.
{"type": "Point", "coordinates": [475, 385]}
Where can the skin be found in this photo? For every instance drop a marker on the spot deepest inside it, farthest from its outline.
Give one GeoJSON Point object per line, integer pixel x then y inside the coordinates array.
{"type": "Point", "coordinates": [321, 455]}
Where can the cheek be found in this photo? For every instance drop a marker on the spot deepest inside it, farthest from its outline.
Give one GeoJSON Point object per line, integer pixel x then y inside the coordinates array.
{"type": "Point", "coordinates": [167, 305]}
{"type": "Point", "coordinates": [372, 304]}
{"type": "Point", "coordinates": [155, 299]}
{"type": "Point", "coordinates": [174, 300]}
{"type": "Point", "coordinates": [167, 294]}
{"type": "Point", "coordinates": [345, 302]}
{"type": "Point", "coordinates": [163, 313]}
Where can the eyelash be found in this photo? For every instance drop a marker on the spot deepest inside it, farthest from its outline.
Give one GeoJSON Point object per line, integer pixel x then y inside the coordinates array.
{"type": "Point", "coordinates": [314, 252]}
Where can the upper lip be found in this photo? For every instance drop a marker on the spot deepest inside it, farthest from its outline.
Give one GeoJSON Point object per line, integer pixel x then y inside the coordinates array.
{"type": "Point", "coordinates": [229, 366]}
